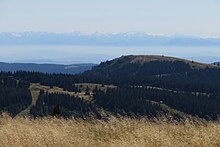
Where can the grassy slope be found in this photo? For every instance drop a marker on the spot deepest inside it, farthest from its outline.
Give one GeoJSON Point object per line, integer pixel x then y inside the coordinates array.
{"type": "Point", "coordinates": [36, 87]}
{"type": "Point", "coordinates": [125, 132]}
{"type": "Point", "coordinates": [148, 58]}
{"type": "Point", "coordinates": [34, 93]}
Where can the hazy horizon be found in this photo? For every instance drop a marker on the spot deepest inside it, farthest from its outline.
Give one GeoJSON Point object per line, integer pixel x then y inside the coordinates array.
{"type": "Point", "coordinates": [99, 32]}
{"type": "Point", "coordinates": [175, 28]}
{"type": "Point", "coordinates": [195, 18]}
{"type": "Point", "coordinates": [62, 54]}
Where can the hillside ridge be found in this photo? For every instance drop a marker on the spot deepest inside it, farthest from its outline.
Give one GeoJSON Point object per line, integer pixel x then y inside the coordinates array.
{"type": "Point", "coordinates": [150, 58]}
{"type": "Point", "coordinates": [46, 68]}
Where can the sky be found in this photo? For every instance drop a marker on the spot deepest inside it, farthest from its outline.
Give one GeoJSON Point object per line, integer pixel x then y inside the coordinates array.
{"type": "Point", "coordinates": [159, 17]}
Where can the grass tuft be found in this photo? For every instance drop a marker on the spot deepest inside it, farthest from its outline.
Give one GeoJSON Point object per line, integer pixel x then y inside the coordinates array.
{"type": "Point", "coordinates": [21, 131]}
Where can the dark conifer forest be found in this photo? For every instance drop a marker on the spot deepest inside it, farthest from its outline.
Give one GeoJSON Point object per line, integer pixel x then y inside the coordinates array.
{"type": "Point", "coordinates": [69, 105]}
{"type": "Point", "coordinates": [14, 94]}
{"type": "Point", "coordinates": [146, 86]}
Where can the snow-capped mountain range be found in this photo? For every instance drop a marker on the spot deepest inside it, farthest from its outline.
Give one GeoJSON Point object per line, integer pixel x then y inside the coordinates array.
{"type": "Point", "coordinates": [101, 38]}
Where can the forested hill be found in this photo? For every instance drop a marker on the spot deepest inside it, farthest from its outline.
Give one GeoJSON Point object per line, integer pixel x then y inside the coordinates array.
{"type": "Point", "coordinates": [186, 86]}
{"type": "Point", "coordinates": [153, 70]}
{"type": "Point", "coordinates": [146, 64]}
{"type": "Point", "coordinates": [45, 68]}
{"type": "Point", "coordinates": [136, 86]}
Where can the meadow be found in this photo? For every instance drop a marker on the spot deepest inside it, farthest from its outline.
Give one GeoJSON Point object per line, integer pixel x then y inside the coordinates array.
{"type": "Point", "coordinates": [50, 132]}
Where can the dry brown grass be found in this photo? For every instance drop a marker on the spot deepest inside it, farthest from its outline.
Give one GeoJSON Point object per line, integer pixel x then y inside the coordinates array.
{"type": "Point", "coordinates": [116, 133]}
{"type": "Point", "coordinates": [149, 58]}
{"type": "Point", "coordinates": [83, 86]}
{"type": "Point", "coordinates": [36, 87]}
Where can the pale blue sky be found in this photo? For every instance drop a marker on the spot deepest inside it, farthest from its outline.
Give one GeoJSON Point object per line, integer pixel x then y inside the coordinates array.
{"type": "Point", "coordinates": [187, 17]}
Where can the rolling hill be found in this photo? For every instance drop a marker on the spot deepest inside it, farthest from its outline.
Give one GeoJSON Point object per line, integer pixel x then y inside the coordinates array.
{"type": "Point", "coordinates": [142, 60]}
{"type": "Point", "coordinates": [140, 68]}
{"type": "Point", "coordinates": [46, 68]}
{"type": "Point", "coordinates": [129, 86]}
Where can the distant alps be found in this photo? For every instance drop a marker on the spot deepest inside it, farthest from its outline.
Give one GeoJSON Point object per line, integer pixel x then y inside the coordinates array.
{"type": "Point", "coordinates": [103, 39]}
